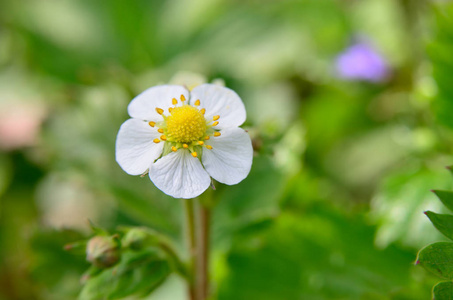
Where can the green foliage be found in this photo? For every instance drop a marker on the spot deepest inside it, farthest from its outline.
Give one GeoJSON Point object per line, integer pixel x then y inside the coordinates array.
{"type": "Point", "coordinates": [443, 223]}
{"type": "Point", "coordinates": [138, 273]}
{"type": "Point", "coordinates": [443, 290]}
{"type": "Point", "coordinates": [437, 259]}
{"type": "Point", "coordinates": [446, 197]}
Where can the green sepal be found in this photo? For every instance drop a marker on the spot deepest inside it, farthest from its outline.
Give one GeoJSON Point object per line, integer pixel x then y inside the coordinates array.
{"type": "Point", "coordinates": [446, 197]}
{"type": "Point", "coordinates": [436, 259]}
{"type": "Point", "coordinates": [167, 148]}
{"type": "Point", "coordinates": [443, 291]}
{"type": "Point", "coordinates": [443, 223]}
{"type": "Point", "coordinates": [96, 229]}
{"type": "Point", "coordinates": [137, 274]}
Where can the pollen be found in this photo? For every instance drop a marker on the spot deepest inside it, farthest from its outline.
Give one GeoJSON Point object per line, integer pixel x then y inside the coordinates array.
{"type": "Point", "coordinates": [209, 147]}
{"type": "Point", "coordinates": [174, 101]}
{"type": "Point", "coordinates": [215, 118]}
{"type": "Point", "coordinates": [152, 124]}
{"type": "Point", "coordinates": [217, 133]}
{"type": "Point", "coordinates": [185, 124]}
{"type": "Point", "coordinates": [194, 154]}
{"type": "Point", "coordinates": [197, 103]}
{"type": "Point", "coordinates": [159, 110]}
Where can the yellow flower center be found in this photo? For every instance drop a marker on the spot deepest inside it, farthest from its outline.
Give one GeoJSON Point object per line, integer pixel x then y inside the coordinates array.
{"type": "Point", "coordinates": [185, 124]}
{"type": "Point", "coordinates": [185, 127]}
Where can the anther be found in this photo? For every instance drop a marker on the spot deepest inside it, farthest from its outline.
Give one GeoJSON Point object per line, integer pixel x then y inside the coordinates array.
{"type": "Point", "coordinates": [197, 102]}
{"type": "Point", "coordinates": [183, 98]}
{"type": "Point", "coordinates": [160, 130]}
{"type": "Point", "coordinates": [217, 133]}
{"type": "Point", "coordinates": [215, 118]}
{"type": "Point", "coordinates": [170, 109]}
{"type": "Point", "coordinates": [207, 137]}
{"type": "Point", "coordinates": [215, 123]}
{"type": "Point", "coordinates": [159, 110]}
{"type": "Point", "coordinates": [185, 146]}
{"type": "Point", "coordinates": [209, 147]}
{"type": "Point", "coordinates": [173, 148]}
{"type": "Point", "coordinates": [152, 123]}
{"type": "Point", "coordinates": [194, 154]}
{"type": "Point", "coordinates": [174, 101]}
{"type": "Point", "coordinates": [156, 141]}
{"type": "Point", "coordinates": [202, 111]}
{"type": "Point", "coordinates": [201, 143]}
{"type": "Point", "coordinates": [163, 137]}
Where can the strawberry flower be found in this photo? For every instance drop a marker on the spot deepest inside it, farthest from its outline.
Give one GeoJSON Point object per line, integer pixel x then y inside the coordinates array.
{"type": "Point", "coordinates": [183, 138]}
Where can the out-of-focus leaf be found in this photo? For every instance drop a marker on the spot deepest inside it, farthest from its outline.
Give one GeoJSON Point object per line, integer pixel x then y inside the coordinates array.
{"type": "Point", "coordinates": [55, 267]}
{"type": "Point", "coordinates": [320, 255]}
{"type": "Point", "coordinates": [437, 259]}
{"type": "Point", "coordinates": [138, 273]}
{"type": "Point", "coordinates": [446, 197]}
{"type": "Point", "coordinates": [443, 291]}
{"type": "Point", "coordinates": [397, 202]}
{"type": "Point", "coordinates": [443, 223]}
{"type": "Point", "coordinates": [439, 51]}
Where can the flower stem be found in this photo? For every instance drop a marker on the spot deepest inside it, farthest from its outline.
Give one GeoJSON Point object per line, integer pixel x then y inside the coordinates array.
{"type": "Point", "coordinates": [191, 239]}
{"type": "Point", "coordinates": [203, 260]}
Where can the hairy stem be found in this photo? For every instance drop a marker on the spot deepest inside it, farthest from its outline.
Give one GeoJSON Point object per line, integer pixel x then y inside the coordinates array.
{"type": "Point", "coordinates": [192, 243]}
{"type": "Point", "coordinates": [203, 259]}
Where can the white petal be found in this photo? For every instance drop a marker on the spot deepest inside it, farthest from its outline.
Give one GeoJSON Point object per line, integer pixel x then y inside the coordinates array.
{"type": "Point", "coordinates": [219, 100]}
{"type": "Point", "coordinates": [135, 149]}
{"type": "Point", "coordinates": [230, 159]}
{"type": "Point", "coordinates": [180, 175]}
{"type": "Point", "coordinates": [144, 105]}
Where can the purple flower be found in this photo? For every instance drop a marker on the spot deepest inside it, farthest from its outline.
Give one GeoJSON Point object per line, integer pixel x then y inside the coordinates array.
{"type": "Point", "coordinates": [362, 62]}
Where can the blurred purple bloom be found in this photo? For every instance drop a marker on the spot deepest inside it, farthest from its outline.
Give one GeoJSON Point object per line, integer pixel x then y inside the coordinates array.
{"type": "Point", "coordinates": [362, 62]}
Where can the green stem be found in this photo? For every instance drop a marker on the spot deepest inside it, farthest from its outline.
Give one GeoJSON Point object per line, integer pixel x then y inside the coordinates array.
{"type": "Point", "coordinates": [179, 266]}
{"type": "Point", "coordinates": [203, 260]}
{"type": "Point", "coordinates": [191, 239]}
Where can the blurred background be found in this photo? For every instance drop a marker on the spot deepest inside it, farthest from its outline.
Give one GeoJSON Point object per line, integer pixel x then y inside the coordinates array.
{"type": "Point", "coordinates": [349, 105]}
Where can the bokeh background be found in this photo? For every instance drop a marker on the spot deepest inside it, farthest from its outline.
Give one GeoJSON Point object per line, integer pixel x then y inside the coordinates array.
{"type": "Point", "coordinates": [350, 107]}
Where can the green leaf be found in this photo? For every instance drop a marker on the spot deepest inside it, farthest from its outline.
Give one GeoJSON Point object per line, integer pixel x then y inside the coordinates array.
{"type": "Point", "coordinates": [443, 291]}
{"type": "Point", "coordinates": [138, 274]}
{"type": "Point", "coordinates": [446, 197]}
{"type": "Point", "coordinates": [443, 223]}
{"type": "Point", "coordinates": [437, 258]}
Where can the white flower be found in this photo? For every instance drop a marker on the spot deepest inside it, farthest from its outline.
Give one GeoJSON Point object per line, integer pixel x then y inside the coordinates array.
{"type": "Point", "coordinates": [183, 138]}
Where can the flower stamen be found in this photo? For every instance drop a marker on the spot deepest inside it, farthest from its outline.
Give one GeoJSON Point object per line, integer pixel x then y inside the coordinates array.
{"type": "Point", "coordinates": [197, 103]}
{"type": "Point", "coordinates": [152, 124]}
{"type": "Point", "coordinates": [215, 118]}
{"type": "Point", "coordinates": [194, 154]}
{"type": "Point", "coordinates": [183, 98]}
{"type": "Point", "coordinates": [159, 110]}
{"type": "Point", "coordinates": [157, 141]}
{"type": "Point", "coordinates": [217, 133]}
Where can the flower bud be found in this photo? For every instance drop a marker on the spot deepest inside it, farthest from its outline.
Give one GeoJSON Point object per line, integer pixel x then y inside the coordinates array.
{"type": "Point", "coordinates": [103, 251]}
